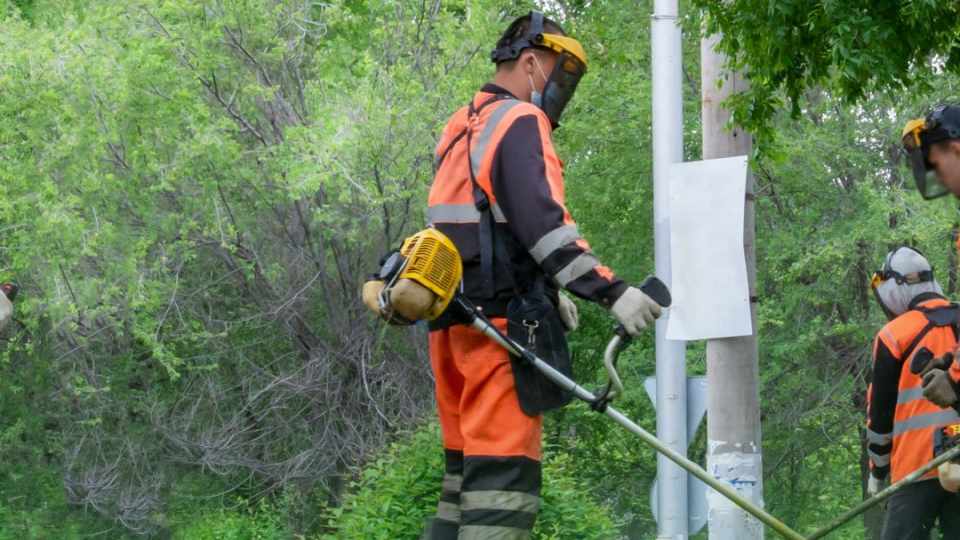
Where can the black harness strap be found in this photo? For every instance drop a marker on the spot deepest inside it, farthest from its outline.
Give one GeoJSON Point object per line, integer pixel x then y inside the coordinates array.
{"type": "Point", "coordinates": [464, 131]}
{"type": "Point", "coordinates": [443, 156]}
{"type": "Point", "coordinates": [937, 317]}
{"type": "Point", "coordinates": [493, 252]}
{"type": "Point", "coordinates": [916, 340]}
{"type": "Point", "coordinates": [490, 249]}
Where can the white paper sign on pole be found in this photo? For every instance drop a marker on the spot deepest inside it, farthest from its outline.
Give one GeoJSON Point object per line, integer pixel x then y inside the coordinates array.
{"type": "Point", "coordinates": [711, 298]}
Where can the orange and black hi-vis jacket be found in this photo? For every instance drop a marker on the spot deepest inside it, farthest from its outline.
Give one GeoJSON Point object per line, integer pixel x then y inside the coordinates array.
{"type": "Point", "coordinates": [900, 421]}
{"type": "Point", "coordinates": [497, 153]}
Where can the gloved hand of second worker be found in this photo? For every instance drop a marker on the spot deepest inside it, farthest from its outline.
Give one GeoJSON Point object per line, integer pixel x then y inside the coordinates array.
{"type": "Point", "coordinates": [568, 313]}
{"type": "Point", "coordinates": [936, 363]}
{"type": "Point", "coordinates": [876, 485]}
{"type": "Point", "coordinates": [939, 388]}
{"type": "Point", "coordinates": [635, 310]}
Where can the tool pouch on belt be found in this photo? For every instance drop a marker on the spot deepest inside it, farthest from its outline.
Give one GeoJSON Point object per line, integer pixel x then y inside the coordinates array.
{"type": "Point", "coordinates": [534, 322]}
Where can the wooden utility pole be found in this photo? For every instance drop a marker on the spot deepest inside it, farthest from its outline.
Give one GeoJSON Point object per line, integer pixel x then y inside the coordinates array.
{"type": "Point", "coordinates": [733, 408]}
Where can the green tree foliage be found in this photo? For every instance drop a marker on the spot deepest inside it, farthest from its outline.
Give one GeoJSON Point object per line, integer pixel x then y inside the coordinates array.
{"type": "Point", "coordinates": [191, 196]}
{"type": "Point", "coordinates": [857, 48]}
{"type": "Point", "coordinates": [192, 192]}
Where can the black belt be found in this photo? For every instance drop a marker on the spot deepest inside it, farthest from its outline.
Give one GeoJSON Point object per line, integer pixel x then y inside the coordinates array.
{"type": "Point", "coordinates": [496, 307]}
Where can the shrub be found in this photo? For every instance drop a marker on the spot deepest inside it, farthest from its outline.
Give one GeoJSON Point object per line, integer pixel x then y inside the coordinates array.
{"type": "Point", "coordinates": [395, 495]}
{"type": "Point", "coordinates": [243, 522]}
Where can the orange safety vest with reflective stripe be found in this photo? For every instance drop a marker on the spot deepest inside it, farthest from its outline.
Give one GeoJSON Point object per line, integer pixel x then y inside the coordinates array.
{"type": "Point", "coordinates": [908, 443]}
{"type": "Point", "coordinates": [514, 164]}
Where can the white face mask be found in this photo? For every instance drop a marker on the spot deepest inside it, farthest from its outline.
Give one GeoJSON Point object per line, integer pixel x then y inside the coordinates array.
{"type": "Point", "coordinates": [536, 97]}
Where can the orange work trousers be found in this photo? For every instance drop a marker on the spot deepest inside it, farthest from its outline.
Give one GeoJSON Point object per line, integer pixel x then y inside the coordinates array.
{"type": "Point", "coordinates": [491, 487]}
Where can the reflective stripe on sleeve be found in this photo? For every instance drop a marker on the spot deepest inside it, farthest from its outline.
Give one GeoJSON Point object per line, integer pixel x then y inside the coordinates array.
{"type": "Point", "coordinates": [879, 439]}
{"type": "Point", "coordinates": [553, 241]}
{"type": "Point", "coordinates": [584, 263]}
{"type": "Point", "coordinates": [879, 460]}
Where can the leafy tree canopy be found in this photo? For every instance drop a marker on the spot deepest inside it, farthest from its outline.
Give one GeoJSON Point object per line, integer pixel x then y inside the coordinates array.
{"type": "Point", "coordinates": [853, 48]}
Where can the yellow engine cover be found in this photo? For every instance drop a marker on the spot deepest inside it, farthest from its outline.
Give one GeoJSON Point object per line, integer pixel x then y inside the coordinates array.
{"type": "Point", "coordinates": [433, 262]}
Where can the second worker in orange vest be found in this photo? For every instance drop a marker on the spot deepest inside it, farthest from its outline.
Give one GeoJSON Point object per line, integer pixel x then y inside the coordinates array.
{"type": "Point", "coordinates": [498, 194]}
{"type": "Point", "coordinates": [901, 422]}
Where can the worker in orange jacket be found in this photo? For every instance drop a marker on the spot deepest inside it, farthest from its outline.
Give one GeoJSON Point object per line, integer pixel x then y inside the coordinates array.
{"type": "Point", "coordinates": [900, 420]}
{"type": "Point", "coordinates": [933, 147]}
{"type": "Point", "coordinates": [498, 194]}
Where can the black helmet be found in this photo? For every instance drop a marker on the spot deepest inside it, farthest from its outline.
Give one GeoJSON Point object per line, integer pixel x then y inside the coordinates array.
{"type": "Point", "coordinates": [942, 124]}
{"type": "Point", "coordinates": [569, 69]}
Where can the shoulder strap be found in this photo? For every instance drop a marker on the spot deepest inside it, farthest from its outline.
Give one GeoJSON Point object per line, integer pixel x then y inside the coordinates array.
{"type": "Point", "coordinates": [439, 160]}
{"type": "Point", "coordinates": [916, 340]}
{"type": "Point", "coordinates": [471, 111]}
{"type": "Point", "coordinates": [941, 315]}
{"type": "Point", "coordinates": [491, 249]}
{"type": "Point", "coordinates": [937, 317]}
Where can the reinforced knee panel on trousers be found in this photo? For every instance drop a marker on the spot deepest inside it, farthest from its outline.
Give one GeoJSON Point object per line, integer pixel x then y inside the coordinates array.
{"type": "Point", "coordinates": [445, 525]}
{"type": "Point", "coordinates": [500, 497]}
{"type": "Point", "coordinates": [486, 497]}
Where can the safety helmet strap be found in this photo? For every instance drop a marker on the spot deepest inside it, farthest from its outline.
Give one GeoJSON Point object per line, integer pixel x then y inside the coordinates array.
{"type": "Point", "coordinates": [511, 48]}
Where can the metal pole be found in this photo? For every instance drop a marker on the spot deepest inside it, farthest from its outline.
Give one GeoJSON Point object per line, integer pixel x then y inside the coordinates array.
{"type": "Point", "coordinates": [885, 494]}
{"type": "Point", "coordinates": [733, 405]}
{"type": "Point", "coordinates": [671, 363]}
{"type": "Point", "coordinates": [678, 459]}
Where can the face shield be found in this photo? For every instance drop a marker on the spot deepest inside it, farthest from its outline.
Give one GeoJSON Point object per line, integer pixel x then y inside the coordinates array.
{"type": "Point", "coordinates": [562, 82]}
{"type": "Point", "coordinates": [916, 143]}
{"type": "Point", "coordinates": [570, 67]}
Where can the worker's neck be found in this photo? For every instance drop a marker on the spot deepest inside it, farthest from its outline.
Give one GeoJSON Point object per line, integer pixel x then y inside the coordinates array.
{"type": "Point", "coordinates": [516, 85]}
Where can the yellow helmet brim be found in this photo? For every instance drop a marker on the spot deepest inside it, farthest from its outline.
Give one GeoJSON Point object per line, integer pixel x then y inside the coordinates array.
{"type": "Point", "coordinates": [911, 133]}
{"type": "Point", "coordinates": [564, 44]}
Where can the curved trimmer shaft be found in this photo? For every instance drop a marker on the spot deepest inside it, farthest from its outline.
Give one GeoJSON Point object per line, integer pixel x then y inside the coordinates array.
{"type": "Point", "coordinates": [478, 321]}
{"type": "Point", "coordinates": [840, 520]}
{"type": "Point", "coordinates": [658, 291]}
{"type": "Point", "coordinates": [617, 343]}
{"type": "Point", "coordinates": [470, 315]}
